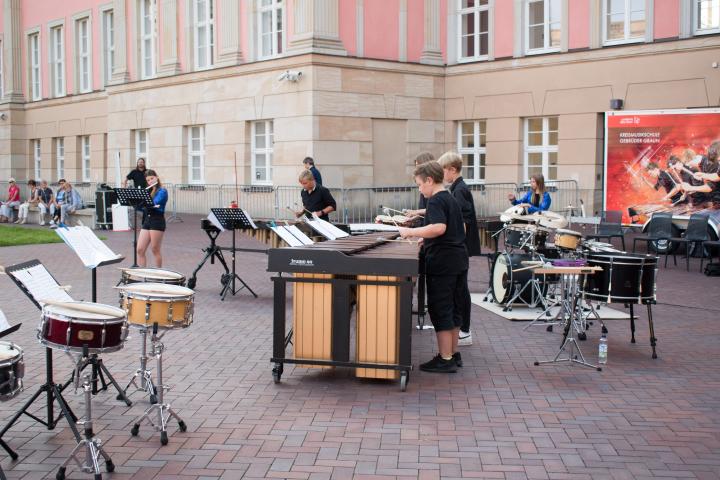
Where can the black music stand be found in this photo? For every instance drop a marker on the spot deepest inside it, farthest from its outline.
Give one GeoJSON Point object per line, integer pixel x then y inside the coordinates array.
{"type": "Point", "coordinates": [212, 253]}
{"type": "Point", "coordinates": [134, 197]}
{"type": "Point", "coordinates": [52, 389]}
{"type": "Point", "coordinates": [232, 219]}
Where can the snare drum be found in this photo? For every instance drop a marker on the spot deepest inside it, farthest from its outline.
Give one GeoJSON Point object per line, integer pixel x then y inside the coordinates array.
{"type": "Point", "coordinates": [152, 275]}
{"type": "Point", "coordinates": [71, 325]}
{"type": "Point", "coordinates": [171, 306]}
{"type": "Point", "coordinates": [567, 239]}
{"type": "Point", "coordinates": [12, 370]}
{"type": "Point", "coordinates": [525, 235]}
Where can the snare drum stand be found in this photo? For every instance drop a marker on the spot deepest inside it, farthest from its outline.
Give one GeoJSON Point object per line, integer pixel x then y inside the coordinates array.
{"type": "Point", "coordinates": [145, 375]}
{"type": "Point", "coordinates": [161, 406]}
{"type": "Point", "coordinates": [91, 444]}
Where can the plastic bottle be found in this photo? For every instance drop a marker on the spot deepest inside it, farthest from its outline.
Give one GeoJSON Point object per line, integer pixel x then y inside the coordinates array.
{"type": "Point", "coordinates": [602, 350]}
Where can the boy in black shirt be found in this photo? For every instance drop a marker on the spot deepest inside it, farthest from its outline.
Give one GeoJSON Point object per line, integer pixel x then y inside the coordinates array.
{"type": "Point", "coordinates": [446, 264]}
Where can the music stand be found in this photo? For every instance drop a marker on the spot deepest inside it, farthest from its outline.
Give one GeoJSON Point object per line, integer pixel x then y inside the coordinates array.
{"type": "Point", "coordinates": [233, 219]}
{"type": "Point", "coordinates": [54, 391]}
{"type": "Point", "coordinates": [134, 197]}
{"type": "Point", "coordinates": [212, 253]}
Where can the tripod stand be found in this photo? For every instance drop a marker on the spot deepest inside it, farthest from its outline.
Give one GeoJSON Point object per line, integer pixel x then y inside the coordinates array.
{"type": "Point", "coordinates": [146, 382]}
{"type": "Point", "coordinates": [233, 219]}
{"type": "Point", "coordinates": [212, 253]}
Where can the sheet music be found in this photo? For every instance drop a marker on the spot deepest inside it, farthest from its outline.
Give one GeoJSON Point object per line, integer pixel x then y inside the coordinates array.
{"type": "Point", "coordinates": [249, 219]}
{"type": "Point", "coordinates": [41, 285]}
{"type": "Point", "coordinates": [91, 250]}
{"type": "Point", "coordinates": [214, 220]}
{"type": "Point", "coordinates": [297, 233]}
{"type": "Point", "coordinates": [288, 237]}
{"type": "Point", "coordinates": [4, 325]}
{"type": "Point", "coordinates": [326, 229]}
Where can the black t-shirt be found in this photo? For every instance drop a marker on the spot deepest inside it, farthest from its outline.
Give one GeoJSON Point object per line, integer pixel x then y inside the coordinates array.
{"type": "Point", "coordinates": [138, 178]}
{"type": "Point", "coordinates": [317, 200]}
{"type": "Point", "coordinates": [45, 194]}
{"type": "Point", "coordinates": [463, 196]}
{"type": "Point", "coordinates": [446, 254]}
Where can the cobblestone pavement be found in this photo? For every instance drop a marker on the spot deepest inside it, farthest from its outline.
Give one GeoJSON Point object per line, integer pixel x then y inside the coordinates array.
{"type": "Point", "coordinates": [499, 417]}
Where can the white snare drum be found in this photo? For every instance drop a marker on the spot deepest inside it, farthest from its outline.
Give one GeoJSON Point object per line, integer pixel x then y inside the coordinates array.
{"type": "Point", "coordinates": [171, 306]}
{"type": "Point", "coordinates": [567, 239]}
{"type": "Point", "coordinates": [12, 370]}
{"type": "Point", "coordinates": [152, 275]}
{"type": "Point", "coordinates": [72, 325]}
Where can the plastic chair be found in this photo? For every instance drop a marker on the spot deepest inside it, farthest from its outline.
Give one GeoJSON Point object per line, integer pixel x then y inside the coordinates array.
{"type": "Point", "coordinates": [697, 234]}
{"type": "Point", "coordinates": [659, 228]}
{"type": "Point", "coordinates": [610, 227]}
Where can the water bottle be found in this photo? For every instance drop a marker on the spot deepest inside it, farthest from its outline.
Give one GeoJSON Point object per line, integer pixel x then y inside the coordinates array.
{"type": "Point", "coordinates": [602, 350]}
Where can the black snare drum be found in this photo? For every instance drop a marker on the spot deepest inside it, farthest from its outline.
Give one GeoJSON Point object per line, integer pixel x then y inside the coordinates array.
{"type": "Point", "coordinates": [625, 278]}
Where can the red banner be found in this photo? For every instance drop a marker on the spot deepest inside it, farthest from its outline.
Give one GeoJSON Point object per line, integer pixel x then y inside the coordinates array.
{"type": "Point", "coordinates": [654, 162]}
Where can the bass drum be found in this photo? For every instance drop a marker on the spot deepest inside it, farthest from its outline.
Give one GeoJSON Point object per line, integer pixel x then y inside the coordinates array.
{"type": "Point", "coordinates": [504, 282]}
{"type": "Point", "coordinates": [625, 278]}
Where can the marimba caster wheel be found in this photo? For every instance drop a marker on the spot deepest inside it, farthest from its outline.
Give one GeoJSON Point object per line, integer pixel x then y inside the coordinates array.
{"type": "Point", "coordinates": [191, 283]}
{"type": "Point", "coordinates": [135, 430]}
{"type": "Point", "coordinates": [582, 336]}
{"type": "Point", "coordinates": [60, 475]}
{"type": "Point", "coordinates": [549, 328]}
{"type": "Point", "coordinates": [109, 466]}
{"type": "Point", "coordinates": [604, 330]}
{"type": "Point", "coordinates": [277, 372]}
{"type": "Point", "coordinates": [404, 378]}
{"type": "Point", "coordinates": [163, 438]}
{"type": "Point", "coordinates": [182, 426]}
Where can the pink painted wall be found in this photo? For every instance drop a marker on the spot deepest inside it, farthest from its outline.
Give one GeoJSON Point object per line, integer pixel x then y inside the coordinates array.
{"type": "Point", "coordinates": [244, 31]}
{"type": "Point", "coordinates": [347, 14]}
{"type": "Point", "coordinates": [416, 29]}
{"type": "Point", "coordinates": [504, 26]}
{"type": "Point", "coordinates": [666, 18]}
{"type": "Point", "coordinates": [579, 24]}
{"type": "Point", "coordinates": [443, 28]}
{"type": "Point", "coordinates": [381, 28]}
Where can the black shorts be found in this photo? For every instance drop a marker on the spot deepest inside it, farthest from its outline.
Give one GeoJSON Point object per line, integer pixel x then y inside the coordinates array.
{"type": "Point", "coordinates": [446, 298]}
{"type": "Point", "coordinates": [154, 222]}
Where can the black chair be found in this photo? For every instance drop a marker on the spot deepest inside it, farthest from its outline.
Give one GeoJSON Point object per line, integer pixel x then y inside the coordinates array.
{"type": "Point", "coordinates": [696, 234]}
{"type": "Point", "coordinates": [660, 228]}
{"type": "Point", "coordinates": [610, 227]}
{"type": "Point", "coordinates": [710, 244]}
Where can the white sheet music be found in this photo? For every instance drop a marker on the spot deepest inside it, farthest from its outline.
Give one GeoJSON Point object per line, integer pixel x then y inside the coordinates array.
{"type": "Point", "coordinates": [41, 285]}
{"type": "Point", "coordinates": [91, 250]}
{"type": "Point", "coordinates": [372, 227]}
{"type": "Point", "coordinates": [249, 218]}
{"type": "Point", "coordinates": [288, 237]}
{"type": "Point", "coordinates": [297, 233]}
{"type": "Point", "coordinates": [214, 220]}
{"type": "Point", "coordinates": [326, 229]}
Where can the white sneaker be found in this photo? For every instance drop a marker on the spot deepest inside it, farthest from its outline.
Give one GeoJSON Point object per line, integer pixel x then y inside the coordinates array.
{"type": "Point", "coordinates": [23, 221]}
{"type": "Point", "coordinates": [42, 223]}
{"type": "Point", "coordinates": [52, 222]}
{"type": "Point", "coordinates": [53, 226]}
{"type": "Point", "coordinates": [464, 339]}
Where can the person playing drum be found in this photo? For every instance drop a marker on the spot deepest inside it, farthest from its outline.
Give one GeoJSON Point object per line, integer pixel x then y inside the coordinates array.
{"type": "Point", "coordinates": [536, 199]}
{"type": "Point", "coordinates": [153, 226]}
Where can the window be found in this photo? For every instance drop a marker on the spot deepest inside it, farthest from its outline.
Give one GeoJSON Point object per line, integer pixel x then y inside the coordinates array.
{"type": "Point", "coordinates": [473, 18]}
{"type": "Point", "coordinates": [82, 47]}
{"type": "Point", "coordinates": [271, 36]}
{"type": "Point", "coordinates": [85, 150]}
{"type": "Point", "coordinates": [541, 147]}
{"type": "Point", "coordinates": [196, 154]}
{"type": "Point", "coordinates": [543, 32]}
{"type": "Point", "coordinates": [142, 146]}
{"type": "Point", "coordinates": [34, 61]}
{"type": "Point", "coordinates": [60, 157]}
{"type": "Point", "coordinates": [262, 152]}
{"type": "Point", "coordinates": [471, 146]}
{"type": "Point", "coordinates": [203, 33]}
{"type": "Point", "coordinates": [147, 38]}
{"type": "Point", "coordinates": [706, 16]}
{"type": "Point", "coordinates": [623, 21]}
{"type": "Point", "coordinates": [37, 158]}
{"type": "Point", "coordinates": [108, 35]}
{"type": "Point", "coordinates": [57, 61]}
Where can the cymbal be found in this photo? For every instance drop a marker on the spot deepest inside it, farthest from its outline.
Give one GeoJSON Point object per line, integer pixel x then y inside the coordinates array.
{"type": "Point", "coordinates": [511, 213]}
{"type": "Point", "coordinates": [550, 219]}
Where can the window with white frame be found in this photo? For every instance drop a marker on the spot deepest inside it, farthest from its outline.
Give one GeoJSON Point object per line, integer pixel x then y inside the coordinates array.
{"type": "Point", "coordinates": [474, 26]}
{"type": "Point", "coordinates": [203, 33]}
{"type": "Point", "coordinates": [262, 152]}
{"type": "Point", "coordinates": [706, 16]}
{"type": "Point", "coordinates": [34, 62]}
{"type": "Point", "coordinates": [471, 146]}
{"type": "Point", "coordinates": [108, 44]}
{"type": "Point", "coordinates": [541, 147]}
{"type": "Point", "coordinates": [60, 157]}
{"type": "Point", "coordinates": [37, 158]}
{"type": "Point", "coordinates": [196, 154]}
{"type": "Point", "coordinates": [85, 151]}
{"type": "Point", "coordinates": [83, 49]}
{"type": "Point", "coordinates": [543, 30]}
{"type": "Point", "coordinates": [147, 38]}
{"type": "Point", "coordinates": [57, 61]}
{"type": "Point", "coordinates": [142, 145]}
{"type": "Point", "coordinates": [623, 21]}
{"type": "Point", "coordinates": [271, 34]}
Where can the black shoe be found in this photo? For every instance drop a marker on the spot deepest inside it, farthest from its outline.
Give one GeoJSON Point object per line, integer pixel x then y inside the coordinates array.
{"type": "Point", "coordinates": [439, 365]}
{"type": "Point", "coordinates": [458, 359]}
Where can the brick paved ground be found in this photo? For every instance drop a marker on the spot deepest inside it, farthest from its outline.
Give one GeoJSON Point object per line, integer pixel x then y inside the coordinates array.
{"type": "Point", "coordinates": [500, 417]}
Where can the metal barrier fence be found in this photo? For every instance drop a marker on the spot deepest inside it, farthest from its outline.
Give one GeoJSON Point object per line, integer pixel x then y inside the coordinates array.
{"type": "Point", "coordinates": [491, 198]}
{"type": "Point", "coordinates": [564, 193]}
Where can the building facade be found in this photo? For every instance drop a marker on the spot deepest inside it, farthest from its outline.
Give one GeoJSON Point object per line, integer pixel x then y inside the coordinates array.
{"type": "Point", "coordinates": [206, 88]}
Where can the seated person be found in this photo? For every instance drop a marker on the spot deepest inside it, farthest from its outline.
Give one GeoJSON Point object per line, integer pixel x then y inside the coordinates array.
{"type": "Point", "coordinates": [71, 203]}
{"type": "Point", "coordinates": [13, 200]}
{"type": "Point", "coordinates": [536, 199]}
{"type": "Point", "coordinates": [57, 203]}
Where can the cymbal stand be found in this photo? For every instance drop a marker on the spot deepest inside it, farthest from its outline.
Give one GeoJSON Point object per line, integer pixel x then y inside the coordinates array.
{"type": "Point", "coordinates": [91, 444]}
{"type": "Point", "coordinates": [570, 299]}
{"type": "Point", "coordinates": [489, 295]}
{"type": "Point", "coordinates": [146, 383]}
{"type": "Point", "coordinates": [160, 406]}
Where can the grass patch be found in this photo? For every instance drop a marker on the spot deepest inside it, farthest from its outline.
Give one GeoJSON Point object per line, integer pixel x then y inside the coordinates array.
{"type": "Point", "coordinates": [11, 236]}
